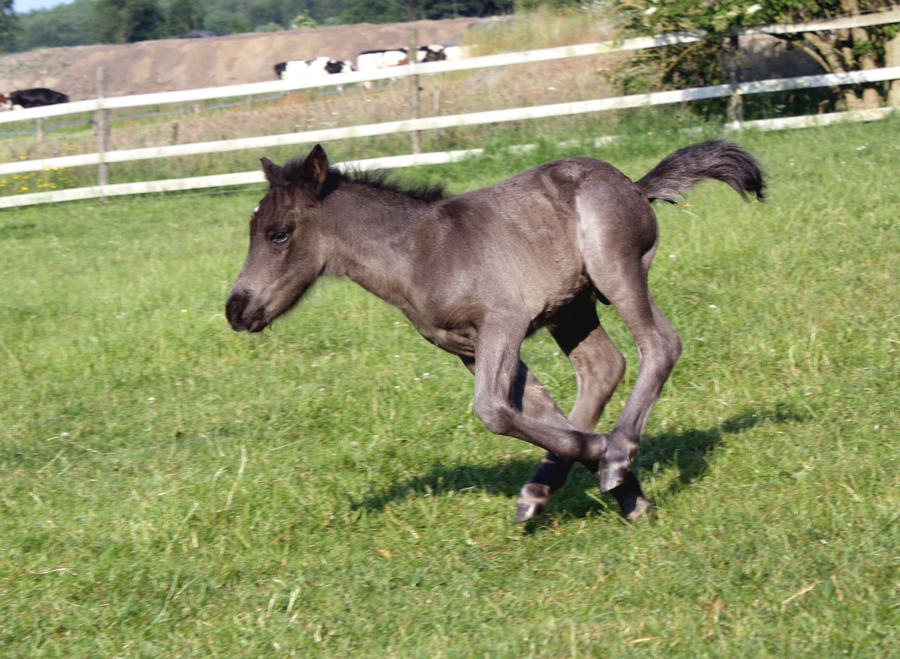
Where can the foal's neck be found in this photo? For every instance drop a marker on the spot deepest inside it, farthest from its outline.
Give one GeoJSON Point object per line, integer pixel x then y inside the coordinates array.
{"type": "Point", "coordinates": [371, 234]}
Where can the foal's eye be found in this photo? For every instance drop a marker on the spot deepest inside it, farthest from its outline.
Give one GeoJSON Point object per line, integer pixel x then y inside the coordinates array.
{"type": "Point", "coordinates": [279, 237]}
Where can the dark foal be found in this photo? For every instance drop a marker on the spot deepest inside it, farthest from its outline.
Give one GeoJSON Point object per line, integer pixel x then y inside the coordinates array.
{"type": "Point", "coordinates": [476, 273]}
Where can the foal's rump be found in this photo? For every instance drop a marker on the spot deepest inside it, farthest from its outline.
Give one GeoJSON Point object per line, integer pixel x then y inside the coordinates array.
{"type": "Point", "coordinates": [537, 230]}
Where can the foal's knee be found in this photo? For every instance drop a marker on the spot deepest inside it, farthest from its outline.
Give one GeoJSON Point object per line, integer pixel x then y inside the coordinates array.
{"type": "Point", "coordinates": [665, 352]}
{"type": "Point", "coordinates": [494, 413]}
{"type": "Point", "coordinates": [674, 347]}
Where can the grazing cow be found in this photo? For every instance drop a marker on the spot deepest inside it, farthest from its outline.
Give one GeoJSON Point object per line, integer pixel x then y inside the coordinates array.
{"type": "Point", "coordinates": [36, 97]}
{"type": "Point", "coordinates": [431, 53]}
{"type": "Point", "coordinates": [311, 68]}
{"type": "Point", "coordinates": [455, 52]}
{"type": "Point", "coordinates": [371, 60]}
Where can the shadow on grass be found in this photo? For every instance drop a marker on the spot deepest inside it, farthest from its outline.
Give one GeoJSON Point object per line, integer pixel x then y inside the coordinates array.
{"type": "Point", "coordinates": [688, 451]}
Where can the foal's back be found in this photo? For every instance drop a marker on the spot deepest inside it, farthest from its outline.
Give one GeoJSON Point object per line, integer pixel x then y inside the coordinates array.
{"type": "Point", "coordinates": [521, 241]}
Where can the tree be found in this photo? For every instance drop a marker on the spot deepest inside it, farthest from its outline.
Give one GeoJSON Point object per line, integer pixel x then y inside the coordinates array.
{"type": "Point", "coordinates": [184, 16]}
{"type": "Point", "coordinates": [63, 25]}
{"type": "Point", "coordinates": [375, 11]}
{"type": "Point", "coordinates": [707, 62]}
{"type": "Point", "coordinates": [144, 20]}
{"type": "Point", "coordinates": [302, 21]}
{"type": "Point", "coordinates": [126, 21]}
{"type": "Point", "coordinates": [7, 25]}
{"type": "Point", "coordinates": [435, 9]}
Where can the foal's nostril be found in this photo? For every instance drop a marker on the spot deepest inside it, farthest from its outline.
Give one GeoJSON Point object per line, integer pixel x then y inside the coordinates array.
{"type": "Point", "coordinates": [234, 310]}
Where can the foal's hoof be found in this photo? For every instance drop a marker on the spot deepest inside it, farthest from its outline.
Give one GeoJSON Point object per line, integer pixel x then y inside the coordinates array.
{"type": "Point", "coordinates": [533, 498]}
{"type": "Point", "coordinates": [635, 506]}
{"type": "Point", "coordinates": [642, 511]}
{"type": "Point", "coordinates": [638, 510]}
{"type": "Point", "coordinates": [611, 476]}
{"type": "Point", "coordinates": [527, 510]}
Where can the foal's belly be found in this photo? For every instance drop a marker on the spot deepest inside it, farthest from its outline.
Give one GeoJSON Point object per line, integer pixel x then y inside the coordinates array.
{"type": "Point", "coordinates": [454, 328]}
{"type": "Point", "coordinates": [460, 341]}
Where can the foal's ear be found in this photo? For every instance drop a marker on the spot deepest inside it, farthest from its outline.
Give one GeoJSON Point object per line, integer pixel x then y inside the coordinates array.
{"type": "Point", "coordinates": [274, 173]}
{"type": "Point", "coordinates": [315, 169]}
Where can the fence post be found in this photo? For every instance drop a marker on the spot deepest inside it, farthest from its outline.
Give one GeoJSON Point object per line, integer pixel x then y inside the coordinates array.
{"type": "Point", "coordinates": [102, 122]}
{"type": "Point", "coordinates": [413, 57]}
{"type": "Point", "coordinates": [892, 58]}
{"type": "Point", "coordinates": [735, 102]}
{"type": "Point", "coordinates": [40, 129]}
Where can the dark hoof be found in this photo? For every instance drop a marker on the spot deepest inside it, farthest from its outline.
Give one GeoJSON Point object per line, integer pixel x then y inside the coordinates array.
{"type": "Point", "coordinates": [611, 476]}
{"type": "Point", "coordinates": [640, 510]}
{"type": "Point", "coordinates": [533, 498]}
{"type": "Point", "coordinates": [635, 506]}
{"type": "Point", "coordinates": [527, 510]}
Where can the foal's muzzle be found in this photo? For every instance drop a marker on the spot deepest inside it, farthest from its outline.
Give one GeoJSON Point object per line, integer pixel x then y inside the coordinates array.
{"type": "Point", "coordinates": [238, 316]}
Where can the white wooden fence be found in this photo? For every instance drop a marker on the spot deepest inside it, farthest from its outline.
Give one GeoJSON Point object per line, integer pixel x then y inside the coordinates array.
{"type": "Point", "coordinates": [425, 123]}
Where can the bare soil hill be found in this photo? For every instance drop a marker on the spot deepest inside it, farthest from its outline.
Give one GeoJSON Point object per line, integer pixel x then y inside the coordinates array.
{"type": "Point", "coordinates": [172, 64]}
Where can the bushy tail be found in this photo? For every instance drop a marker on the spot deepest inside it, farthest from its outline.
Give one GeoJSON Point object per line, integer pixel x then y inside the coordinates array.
{"type": "Point", "coordinates": [717, 159]}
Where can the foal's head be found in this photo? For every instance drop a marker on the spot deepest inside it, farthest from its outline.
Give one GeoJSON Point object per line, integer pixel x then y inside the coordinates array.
{"type": "Point", "coordinates": [285, 254]}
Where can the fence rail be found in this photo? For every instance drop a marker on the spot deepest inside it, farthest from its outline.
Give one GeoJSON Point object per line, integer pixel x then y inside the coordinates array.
{"type": "Point", "coordinates": [413, 124]}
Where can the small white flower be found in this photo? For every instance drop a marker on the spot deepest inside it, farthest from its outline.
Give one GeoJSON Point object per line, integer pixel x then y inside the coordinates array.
{"type": "Point", "coordinates": [752, 9]}
{"type": "Point", "coordinates": [151, 399]}
{"type": "Point", "coordinates": [712, 306]}
{"type": "Point", "coordinates": [651, 11]}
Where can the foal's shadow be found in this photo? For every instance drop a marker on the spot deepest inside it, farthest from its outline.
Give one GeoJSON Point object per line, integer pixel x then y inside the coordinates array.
{"type": "Point", "coordinates": [688, 451]}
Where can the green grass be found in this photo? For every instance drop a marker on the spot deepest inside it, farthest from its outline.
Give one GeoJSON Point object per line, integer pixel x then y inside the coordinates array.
{"type": "Point", "coordinates": [171, 488]}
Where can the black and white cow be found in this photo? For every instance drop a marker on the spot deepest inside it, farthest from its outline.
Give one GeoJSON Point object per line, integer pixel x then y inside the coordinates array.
{"type": "Point", "coordinates": [431, 53]}
{"type": "Point", "coordinates": [311, 68]}
{"type": "Point", "coordinates": [35, 97]}
{"type": "Point", "coordinates": [370, 60]}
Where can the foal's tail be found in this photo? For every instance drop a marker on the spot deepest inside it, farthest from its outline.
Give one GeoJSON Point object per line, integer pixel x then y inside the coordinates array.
{"type": "Point", "coordinates": [685, 168]}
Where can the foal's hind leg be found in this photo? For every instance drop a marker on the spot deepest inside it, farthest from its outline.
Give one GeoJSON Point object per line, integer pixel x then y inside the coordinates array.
{"type": "Point", "coordinates": [658, 348]}
{"type": "Point", "coordinates": [598, 367]}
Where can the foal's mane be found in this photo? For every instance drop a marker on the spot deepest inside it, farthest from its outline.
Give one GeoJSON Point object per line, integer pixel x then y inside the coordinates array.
{"type": "Point", "coordinates": [380, 179]}
{"type": "Point", "coordinates": [385, 179]}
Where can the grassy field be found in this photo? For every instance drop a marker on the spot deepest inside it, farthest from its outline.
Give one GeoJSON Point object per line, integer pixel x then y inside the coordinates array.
{"type": "Point", "coordinates": [171, 488]}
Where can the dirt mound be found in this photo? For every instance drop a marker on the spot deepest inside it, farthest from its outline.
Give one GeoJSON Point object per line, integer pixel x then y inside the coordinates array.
{"type": "Point", "coordinates": [172, 64]}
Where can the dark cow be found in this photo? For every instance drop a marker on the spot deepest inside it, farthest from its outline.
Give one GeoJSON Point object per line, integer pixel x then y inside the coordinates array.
{"type": "Point", "coordinates": [36, 97]}
{"type": "Point", "coordinates": [431, 53]}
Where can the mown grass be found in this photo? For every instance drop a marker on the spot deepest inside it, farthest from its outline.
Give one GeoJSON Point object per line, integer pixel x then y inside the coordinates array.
{"type": "Point", "coordinates": [169, 487]}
